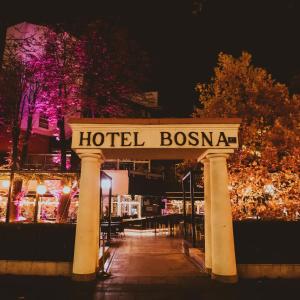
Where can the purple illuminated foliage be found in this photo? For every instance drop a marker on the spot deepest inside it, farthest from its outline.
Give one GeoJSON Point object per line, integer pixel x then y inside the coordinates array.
{"type": "Point", "coordinates": [52, 72]}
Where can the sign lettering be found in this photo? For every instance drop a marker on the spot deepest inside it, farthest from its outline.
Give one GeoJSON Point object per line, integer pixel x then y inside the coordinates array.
{"type": "Point", "coordinates": [155, 139]}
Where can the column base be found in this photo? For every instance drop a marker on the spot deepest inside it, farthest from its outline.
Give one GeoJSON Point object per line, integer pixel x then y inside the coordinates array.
{"type": "Point", "coordinates": [84, 277]}
{"type": "Point", "coordinates": [208, 270]}
{"type": "Point", "coordinates": [225, 278]}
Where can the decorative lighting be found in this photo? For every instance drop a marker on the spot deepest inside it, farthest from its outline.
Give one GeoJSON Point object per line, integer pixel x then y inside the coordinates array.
{"type": "Point", "coordinates": [269, 189]}
{"type": "Point", "coordinates": [105, 184]}
{"type": "Point", "coordinates": [41, 189]}
{"type": "Point", "coordinates": [247, 190]}
{"type": "Point", "coordinates": [66, 189]}
{"type": "Point", "coordinates": [5, 184]}
{"type": "Point", "coordinates": [74, 184]}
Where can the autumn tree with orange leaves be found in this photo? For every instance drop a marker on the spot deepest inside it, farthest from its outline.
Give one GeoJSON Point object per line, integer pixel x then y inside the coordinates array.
{"type": "Point", "coordinates": [264, 171]}
{"type": "Point", "coordinates": [270, 115]}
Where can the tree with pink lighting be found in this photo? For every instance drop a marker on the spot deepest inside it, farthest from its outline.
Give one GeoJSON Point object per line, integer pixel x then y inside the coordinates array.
{"type": "Point", "coordinates": [62, 64]}
{"type": "Point", "coordinates": [94, 75]}
{"type": "Point", "coordinates": [33, 94]}
{"type": "Point", "coordinates": [13, 76]}
{"type": "Point", "coordinates": [20, 86]}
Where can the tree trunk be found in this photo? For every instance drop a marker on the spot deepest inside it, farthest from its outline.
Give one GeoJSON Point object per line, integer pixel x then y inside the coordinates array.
{"type": "Point", "coordinates": [15, 144]}
{"type": "Point", "coordinates": [27, 136]}
{"type": "Point", "coordinates": [3, 28]}
{"type": "Point", "coordinates": [75, 162]}
{"type": "Point", "coordinates": [63, 208]}
{"type": "Point", "coordinates": [63, 146]}
{"type": "Point", "coordinates": [14, 205]}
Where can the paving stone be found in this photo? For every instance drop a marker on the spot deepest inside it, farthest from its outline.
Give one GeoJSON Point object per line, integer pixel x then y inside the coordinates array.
{"type": "Point", "coordinates": [147, 268]}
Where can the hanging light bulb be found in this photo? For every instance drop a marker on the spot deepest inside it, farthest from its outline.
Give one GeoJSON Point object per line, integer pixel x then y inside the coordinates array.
{"type": "Point", "coordinates": [41, 189]}
{"type": "Point", "coordinates": [5, 184]}
{"type": "Point", "coordinates": [105, 183]}
{"type": "Point", "coordinates": [269, 189]}
{"type": "Point", "coordinates": [66, 189]}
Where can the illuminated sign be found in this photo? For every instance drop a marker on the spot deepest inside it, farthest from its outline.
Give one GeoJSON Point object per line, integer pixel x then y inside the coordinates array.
{"type": "Point", "coordinates": [128, 136]}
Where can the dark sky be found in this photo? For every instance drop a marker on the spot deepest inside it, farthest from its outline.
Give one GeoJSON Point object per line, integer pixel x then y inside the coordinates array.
{"type": "Point", "coordinates": [184, 47]}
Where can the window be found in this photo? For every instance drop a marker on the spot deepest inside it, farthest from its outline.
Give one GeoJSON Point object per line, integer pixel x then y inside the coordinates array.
{"type": "Point", "coordinates": [128, 165]}
{"type": "Point", "coordinates": [110, 165]}
{"type": "Point", "coordinates": [43, 121]}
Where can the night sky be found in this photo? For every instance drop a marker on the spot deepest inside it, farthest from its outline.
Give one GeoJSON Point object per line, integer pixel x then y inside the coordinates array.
{"type": "Point", "coordinates": [184, 46]}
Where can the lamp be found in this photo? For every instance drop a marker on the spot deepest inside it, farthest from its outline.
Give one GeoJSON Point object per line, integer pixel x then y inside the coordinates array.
{"type": "Point", "coordinates": [269, 189]}
{"type": "Point", "coordinates": [66, 189]}
{"type": "Point", "coordinates": [5, 184]}
{"type": "Point", "coordinates": [41, 189]}
{"type": "Point", "coordinates": [105, 183]}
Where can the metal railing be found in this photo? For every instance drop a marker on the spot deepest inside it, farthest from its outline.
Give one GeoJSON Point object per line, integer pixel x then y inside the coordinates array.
{"type": "Point", "coordinates": [44, 161]}
{"type": "Point", "coordinates": [174, 225]}
{"type": "Point", "coordinates": [147, 174]}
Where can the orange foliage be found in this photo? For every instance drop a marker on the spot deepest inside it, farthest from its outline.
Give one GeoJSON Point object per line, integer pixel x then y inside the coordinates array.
{"type": "Point", "coordinates": [269, 133]}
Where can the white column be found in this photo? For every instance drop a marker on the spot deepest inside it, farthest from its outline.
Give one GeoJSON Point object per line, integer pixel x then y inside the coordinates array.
{"type": "Point", "coordinates": [222, 240]}
{"type": "Point", "coordinates": [87, 229]}
{"type": "Point", "coordinates": [129, 208]}
{"type": "Point", "coordinates": [207, 215]}
{"type": "Point", "coordinates": [139, 207]}
{"type": "Point", "coordinates": [119, 210]}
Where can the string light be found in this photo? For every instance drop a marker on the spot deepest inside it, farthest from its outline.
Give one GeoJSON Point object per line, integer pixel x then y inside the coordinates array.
{"type": "Point", "coordinates": [269, 189]}
{"type": "Point", "coordinates": [247, 190]}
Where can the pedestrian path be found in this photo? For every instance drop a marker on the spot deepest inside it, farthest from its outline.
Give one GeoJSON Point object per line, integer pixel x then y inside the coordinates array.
{"type": "Point", "coordinates": [147, 268]}
{"type": "Point", "coordinates": [152, 256]}
{"type": "Point", "coordinates": [150, 267]}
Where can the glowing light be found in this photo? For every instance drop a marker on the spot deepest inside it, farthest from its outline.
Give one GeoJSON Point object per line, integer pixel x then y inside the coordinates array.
{"type": "Point", "coordinates": [41, 189]}
{"type": "Point", "coordinates": [230, 188]}
{"type": "Point", "coordinates": [105, 184]}
{"type": "Point", "coordinates": [74, 184]}
{"type": "Point", "coordinates": [248, 190]}
{"type": "Point", "coordinates": [269, 189]}
{"type": "Point", "coordinates": [66, 189]}
{"type": "Point", "coordinates": [5, 184]}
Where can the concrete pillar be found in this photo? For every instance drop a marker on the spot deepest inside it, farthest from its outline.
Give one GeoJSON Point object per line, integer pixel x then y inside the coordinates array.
{"type": "Point", "coordinates": [86, 250]}
{"type": "Point", "coordinates": [207, 215]}
{"type": "Point", "coordinates": [222, 240]}
{"type": "Point", "coordinates": [119, 208]}
{"type": "Point", "coordinates": [139, 207]}
{"type": "Point", "coordinates": [129, 208]}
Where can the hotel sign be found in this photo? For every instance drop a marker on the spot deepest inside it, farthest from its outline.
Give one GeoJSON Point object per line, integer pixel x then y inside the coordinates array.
{"type": "Point", "coordinates": [136, 136]}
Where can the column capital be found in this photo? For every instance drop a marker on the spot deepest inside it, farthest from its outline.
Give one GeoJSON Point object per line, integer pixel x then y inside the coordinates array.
{"type": "Point", "coordinates": [217, 155]}
{"type": "Point", "coordinates": [92, 154]}
{"type": "Point", "coordinates": [204, 160]}
{"type": "Point", "coordinates": [218, 152]}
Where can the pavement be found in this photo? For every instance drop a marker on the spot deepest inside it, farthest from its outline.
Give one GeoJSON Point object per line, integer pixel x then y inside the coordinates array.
{"type": "Point", "coordinates": [147, 267]}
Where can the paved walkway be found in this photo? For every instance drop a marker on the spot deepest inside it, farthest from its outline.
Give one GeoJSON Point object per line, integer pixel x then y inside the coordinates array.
{"type": "Point", "coordinates": [147, 268]}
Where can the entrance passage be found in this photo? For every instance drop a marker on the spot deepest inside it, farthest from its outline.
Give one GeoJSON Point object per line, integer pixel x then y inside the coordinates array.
{"type": "Point", "coordinates": [209, 141]}
{"type": "Point", "coordinates": [152, 267]}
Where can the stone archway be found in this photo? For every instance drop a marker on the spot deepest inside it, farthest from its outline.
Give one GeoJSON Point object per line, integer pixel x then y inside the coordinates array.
{"type": "Point", "coordinates": [209, 141]}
